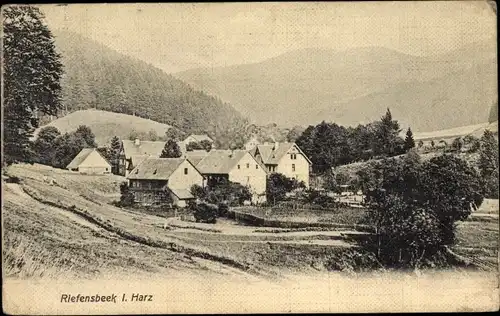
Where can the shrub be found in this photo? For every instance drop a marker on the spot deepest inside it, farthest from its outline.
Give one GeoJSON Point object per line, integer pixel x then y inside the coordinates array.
{"type": "Point", "coordinates": [223, 209]}
{"type": "Point", "coordinates": [126, 197]}
{"type": "Point", "coordinates": [204, 212]}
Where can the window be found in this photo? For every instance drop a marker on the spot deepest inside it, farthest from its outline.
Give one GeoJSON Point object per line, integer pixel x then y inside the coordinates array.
{"type": "Point", "coordinates": [185, 170]}
{"type": "Point", "coordinates": [248, 165]}
{"type": "Point", "coordinates": [293, 167]}
{"type": "Point", "coordinates": [293, 156]}
{"type": "Point", "coordinates": [106, 169]}
{"type": "Point", "coordinates": [238, 166]}
{"type": "Point", "coordinates": [256, 166]}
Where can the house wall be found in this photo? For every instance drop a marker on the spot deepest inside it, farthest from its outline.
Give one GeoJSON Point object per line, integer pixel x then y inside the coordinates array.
{"type": "Point", "coordinates": [285, 166]}
{"type": "Point", "coordinates": [253, 175]}
{"type": "Point", "coordinates": [94, 163]}
{"type": "Point", "coordinates": [179, 180]}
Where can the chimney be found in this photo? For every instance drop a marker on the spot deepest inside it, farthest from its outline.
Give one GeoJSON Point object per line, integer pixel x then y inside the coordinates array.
{"type": "Point", "coordinates": [137, 142]}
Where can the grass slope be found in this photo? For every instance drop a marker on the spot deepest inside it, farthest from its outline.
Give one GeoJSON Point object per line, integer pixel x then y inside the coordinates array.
{"type": "Point", "coordinates": [105, 124]}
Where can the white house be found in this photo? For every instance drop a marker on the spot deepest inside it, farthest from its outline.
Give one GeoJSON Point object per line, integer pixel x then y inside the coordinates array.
{"type": "Point", "coordinates": [89, 161]}
{"type": "Point", "coordinates": [194, 138]}
{"type": "Point", "coordinates": [164, 179]}
{"type": "Point", "coordinates": [285, 158]}
{"type": "Point", "coordinates": [236, 166]}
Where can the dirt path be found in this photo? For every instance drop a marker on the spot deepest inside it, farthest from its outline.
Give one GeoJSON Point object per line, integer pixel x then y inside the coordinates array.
{"type": "Point", "coordinates": [23, 199]}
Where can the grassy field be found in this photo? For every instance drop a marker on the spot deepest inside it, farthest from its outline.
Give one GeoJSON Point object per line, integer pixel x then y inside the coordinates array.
{"type": "Point", "coordinates": [44, 241]}
{"type": "Point", "coordinates": [350, 216]}
{"type": "Point", "coordinates": [105, 124]}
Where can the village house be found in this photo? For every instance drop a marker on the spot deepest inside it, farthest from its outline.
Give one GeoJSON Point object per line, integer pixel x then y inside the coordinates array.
{"type": "Point", "coordinates": [194, 138]}
{"type": "Point", "coordinates": [164, 180]}
{"type": "Point", "coordinates": [89, 161]}
{"type": "Point", "coordinates": [134, 152]}
{"type": "Point", "coordinates": [285, 158]}
{"type": "Point", "coordinates": [237, 166]}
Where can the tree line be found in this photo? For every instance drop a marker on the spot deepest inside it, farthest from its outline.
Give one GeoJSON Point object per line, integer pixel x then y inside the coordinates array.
{"type": "Point", "coordinates": [329, 144]}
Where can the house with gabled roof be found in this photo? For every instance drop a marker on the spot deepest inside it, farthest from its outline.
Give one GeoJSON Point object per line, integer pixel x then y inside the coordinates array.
{"type": "Point", "coordinates": [194, 138]}
{"type": "Point", "coordinates": [233, 165]}
{"type": "Point", "coordinates": [164, 180]}
{"type": "Point", "coordinates": [89, 161]}
{"type": "Point", "coordinates": [134, 152]}
{"type": "Point", "coordinates": [285, 158]}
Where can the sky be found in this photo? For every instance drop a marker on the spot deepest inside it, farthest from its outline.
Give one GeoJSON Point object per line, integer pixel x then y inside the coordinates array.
{"type": "Point", "coordinates": [181, 36]}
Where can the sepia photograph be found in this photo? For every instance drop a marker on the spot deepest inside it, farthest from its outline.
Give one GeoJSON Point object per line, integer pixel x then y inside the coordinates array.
{"type": "Point", "coordinates": [259, 157]}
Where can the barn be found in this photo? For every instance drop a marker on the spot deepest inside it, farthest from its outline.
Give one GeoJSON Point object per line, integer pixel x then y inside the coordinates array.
{"type": "Point", "coordinates": [89, 161]}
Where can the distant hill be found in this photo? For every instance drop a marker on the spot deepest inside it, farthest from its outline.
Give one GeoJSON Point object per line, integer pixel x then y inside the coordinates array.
{"type": "Point", "coordinates": [101, 78]}
{"type": "Point", "coordinates": [105, 124]}
{"type": "Point", "coordinates": [476, 130]}
{"type": "Point", "coordinates": [310, 85]}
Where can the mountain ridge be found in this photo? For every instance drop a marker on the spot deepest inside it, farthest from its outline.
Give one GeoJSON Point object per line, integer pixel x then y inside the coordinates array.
{"type": "Point", "coordinates": [276, 89]}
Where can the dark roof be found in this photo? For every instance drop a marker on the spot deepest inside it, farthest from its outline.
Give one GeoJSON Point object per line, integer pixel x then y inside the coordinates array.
{"type": "Point", "coordinates": [156, 168]}
{"type": "Point", "coordinates": [82, 155]}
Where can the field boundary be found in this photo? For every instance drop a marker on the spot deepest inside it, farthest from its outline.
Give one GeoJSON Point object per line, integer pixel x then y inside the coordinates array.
{"type": "Point", "coordinates": [255, 220]}
{"type": "Point", "coordinates": [172, 246]}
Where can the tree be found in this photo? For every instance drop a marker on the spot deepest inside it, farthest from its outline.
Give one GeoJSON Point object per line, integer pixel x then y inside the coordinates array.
{"type": "Point", "coordinates": [488, 164]}
{"type": "Point", "coordinates": [414, 206]}
{"type": "Point", "coordinates": [31, 78]}
{"type": "Point", "coordinates": [44, 144]}
{"type": "Point", "coordinates": [206, 145]}
{"type": "Point", "coordinates": [457, 144]}
{"type": "Point", "coordinates": [294, 133]}
{"type": "Point", "coordinates": [86, 134]}
{"type": "Point", "coordinates": [193, 146]}
{"type": "Point", "coordinates": [409, 141]}
{"type": "Point", "coordinates": [222, 192]}
{"type": "Point", "coordinates": [115, 148]}
{"type": "Point", "coordinates": [278, 185]}
{"type": "Point", "coordinates": [152, 135]}
{"type": "Point", "coordinates": [66, 147]}
{"type": "Point", "coordinates": [420, 144]}
{"type": "Point", "coordinates": [171, 150]}
{"type": "Point", "coordinates": [126, 197]}
{"type": "Point", "coordinates": [133, 135]}
{"type": "Point", "coordinates": [174, 133]}
{"type": "Point", "coordinates": [387, 135]}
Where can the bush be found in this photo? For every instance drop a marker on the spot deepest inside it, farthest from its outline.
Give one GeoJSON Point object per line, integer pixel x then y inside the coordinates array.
{"type": "Point", "coordinates": [223, 209]}
{"type": "Point", "coordinates": [126, 198]}
{"type": "Point", "coordinates": [204, 212]}
{"type": "Point", "coordinates": [223, 192]}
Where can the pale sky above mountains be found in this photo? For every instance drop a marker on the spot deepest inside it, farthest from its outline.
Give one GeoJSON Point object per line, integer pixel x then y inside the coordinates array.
{"type": "Point", "coordinates": [177, 37]}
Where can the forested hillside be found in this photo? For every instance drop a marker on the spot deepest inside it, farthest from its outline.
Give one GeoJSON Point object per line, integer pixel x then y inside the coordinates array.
{"type": "Point", "coordinates": [98, 77]}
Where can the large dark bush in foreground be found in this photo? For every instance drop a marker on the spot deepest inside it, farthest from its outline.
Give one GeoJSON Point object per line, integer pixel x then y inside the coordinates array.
{"type": "Point", "coordinates": [414, 206]}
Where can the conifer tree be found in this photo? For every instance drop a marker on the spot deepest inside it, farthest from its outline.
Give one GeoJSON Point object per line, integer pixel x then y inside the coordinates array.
{"type": "Point", "coordinates": [32, 72]}
{"type": "Point", "coordinates": [409, 141]}
{"type": "Point", "coordinates": [171, 150]}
